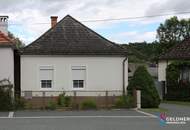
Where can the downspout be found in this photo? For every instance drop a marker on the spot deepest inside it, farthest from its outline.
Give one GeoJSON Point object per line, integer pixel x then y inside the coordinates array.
{"type": "Point", "coordinates": [166, 78]}
{"type": "Point", "coordinates": [124, 75]}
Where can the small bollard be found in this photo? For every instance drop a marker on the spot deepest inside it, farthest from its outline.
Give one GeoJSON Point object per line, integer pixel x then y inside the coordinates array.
{"type": "Point", "coordinates": [138, 99]}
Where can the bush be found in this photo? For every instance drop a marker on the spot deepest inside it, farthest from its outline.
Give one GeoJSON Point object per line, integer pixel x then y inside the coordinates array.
{"type": "Point", "coordinates": [19, 103]}
{"type": "Point", "coordinates": [63, 100]}
{"type": "Point", "coordinates": [125, 102]}
{"type": "Point", "coordinates": [6, 100]}
{"type": "Point", "coordinates": [51, 105]}
{"type": "Point", "coordinates": [67, 101]}
{"type": "Point", "coordinates": [88, 104]}
{"type": "Point", "coordinates": [177, 89]}
{"type": "Point", "coordinates": [142, 80]}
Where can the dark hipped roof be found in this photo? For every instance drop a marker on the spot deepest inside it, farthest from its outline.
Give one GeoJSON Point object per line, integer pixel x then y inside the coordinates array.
{"type": "Point", "coordinates": [70, 37]}
{"type": "Point", "coordinates": [179, 51]}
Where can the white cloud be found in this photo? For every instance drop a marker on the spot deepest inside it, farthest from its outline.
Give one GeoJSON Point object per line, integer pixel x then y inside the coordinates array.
{"type": "Point", "coordinates": [134, 36]}
{"type": "Point", "coordinates": [28, 12]}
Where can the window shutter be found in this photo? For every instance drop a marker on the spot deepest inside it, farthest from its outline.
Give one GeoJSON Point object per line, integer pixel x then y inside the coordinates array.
{"type": "Point", "coordinates": [46, 73]}
{"type": "Point", "coordinates": [79, 73]}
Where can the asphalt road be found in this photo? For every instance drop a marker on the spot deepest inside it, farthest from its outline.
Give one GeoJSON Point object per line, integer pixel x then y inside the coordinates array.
{"type": "Point", "coordinates": [89, 120]}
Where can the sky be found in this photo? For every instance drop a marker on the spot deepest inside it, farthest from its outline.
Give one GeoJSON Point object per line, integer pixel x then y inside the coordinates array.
{"type": "Point", "coordinates": [29, 19]}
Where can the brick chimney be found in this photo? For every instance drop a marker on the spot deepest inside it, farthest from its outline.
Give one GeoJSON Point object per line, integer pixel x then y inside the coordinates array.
{"type": "Point", "coordinates": [53, 20]}
{"type": "Point", "coordinates": [4, 24]}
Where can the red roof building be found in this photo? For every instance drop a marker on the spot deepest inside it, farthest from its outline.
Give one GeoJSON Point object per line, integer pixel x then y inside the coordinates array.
{"type": "Point", "coordinates": [5, 40]}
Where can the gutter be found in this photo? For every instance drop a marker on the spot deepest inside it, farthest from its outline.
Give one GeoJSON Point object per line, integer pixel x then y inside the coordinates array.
{"type": "Point", "coordinates": [124, 75]}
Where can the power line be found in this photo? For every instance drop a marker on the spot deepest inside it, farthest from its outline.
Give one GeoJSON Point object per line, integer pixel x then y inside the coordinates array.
{"type": "Point", "coordinates": [124, 18]}
{"type": "Point", "coordinates": [139, 17]}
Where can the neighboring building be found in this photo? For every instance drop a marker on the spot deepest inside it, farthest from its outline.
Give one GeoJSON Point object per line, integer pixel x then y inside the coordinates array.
{"type": "Point", "coordinates": [180, 52]}
{"type": "Point", "coordinates": [6, 52]}
{"type": "Point", "coordinates": [153, 70]}
{"type": "Point", "coordinates": [72, 57]}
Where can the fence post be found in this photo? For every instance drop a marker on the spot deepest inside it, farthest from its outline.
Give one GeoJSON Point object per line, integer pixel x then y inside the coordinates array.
{"type": "Point", "coordinates": [106, 97]}
{"type": "Point", "coordinates": [138, 99]}
{"type": "Point", "coordinates": [43, 96]}
{"type": "Point", "coordinates": [74, 99]}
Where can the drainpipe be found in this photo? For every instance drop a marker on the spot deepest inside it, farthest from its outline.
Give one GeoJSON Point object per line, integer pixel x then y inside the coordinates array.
{"type": "Point", "coordinates": [124, 75]}
{"type": "Point", "coordinates": [165, 90]}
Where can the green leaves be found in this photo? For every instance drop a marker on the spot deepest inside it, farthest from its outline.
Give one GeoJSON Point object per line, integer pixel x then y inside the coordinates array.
{"type": "Point", "coordinates": [19, 43]}
{"type": "Point", "coordinates": [173, 31]}
{"type": "Point", "coordinates": [173, 72]}
{"type": "Point", "coordinates": [142, 80]}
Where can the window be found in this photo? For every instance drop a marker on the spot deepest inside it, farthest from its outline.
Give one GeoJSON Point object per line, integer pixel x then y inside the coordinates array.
{"type": "Point", "coordinates": [46, 83]}
{"type": "Point", "coordinates": [78, 83]}
{"type": "Point", "coordinates": [78, 76]}
{"type": "Point", "coordinates": [46, 76]}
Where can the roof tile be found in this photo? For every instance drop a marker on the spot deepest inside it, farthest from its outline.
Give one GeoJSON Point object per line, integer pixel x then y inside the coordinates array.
{"type": "Point", "coordinates": [179, 51]}
{"type": "Point", "coordinates": [70, 37]}
{"type": "Point", "coordinates": [5, 40]}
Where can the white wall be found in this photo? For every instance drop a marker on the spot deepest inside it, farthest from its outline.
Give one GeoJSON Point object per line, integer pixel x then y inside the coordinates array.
{"type": "Point", "coordinates": [7, 64]}
{"type": "Point", "coordinates": [162, 65]}
{"type": "Point", "coordinates": [103, 73]}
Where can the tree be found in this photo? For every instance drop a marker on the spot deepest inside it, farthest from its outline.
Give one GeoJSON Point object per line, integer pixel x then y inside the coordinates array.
{"type": "Point", "coordinates": [149, 50]}
{"type": "Point", "coordinates": [172, 31]}
{"type": "Point", "coordinates": [142, 80]}
{"type": "Point", "coordinates": [19, 43]}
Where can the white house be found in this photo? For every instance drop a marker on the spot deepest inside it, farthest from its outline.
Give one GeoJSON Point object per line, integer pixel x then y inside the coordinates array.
{"type": "Point", "coordinates": [6, 52]}
{"type": "Point", "coordinates": [178, 53]}
{"type": "Point", "coordinates": [72, 57]}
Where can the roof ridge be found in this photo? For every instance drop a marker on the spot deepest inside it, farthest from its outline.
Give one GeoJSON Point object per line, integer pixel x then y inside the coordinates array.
{"type": "Point", "coordinates": [51, 28]}
{"type": "Point", "coordinates": [95, 32]}
{"type": "Point", "coordinates": [80, 24]}
{"type": "Point", "coordinates": [69, 33]}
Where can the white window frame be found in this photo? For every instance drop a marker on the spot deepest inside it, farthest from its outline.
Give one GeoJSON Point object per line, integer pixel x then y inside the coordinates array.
{"type": "Point", "coordinates": [85, 80]}
{"type": "Point", "coordinates": [78, 83]}
{"type": "Point", "coordinates": [46, 67]}
{"type": "Point", "coordinates": [46, 82]}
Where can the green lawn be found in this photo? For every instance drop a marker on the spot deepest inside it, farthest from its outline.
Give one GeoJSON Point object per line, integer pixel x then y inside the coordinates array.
{"type": "Point", "coordinates": [177, 103]}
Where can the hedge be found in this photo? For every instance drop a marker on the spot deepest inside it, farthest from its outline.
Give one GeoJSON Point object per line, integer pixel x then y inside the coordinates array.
{"type": "Point", "coordinates": [177, 89]}
{"type": "Point", "coordinates": [143, 81]}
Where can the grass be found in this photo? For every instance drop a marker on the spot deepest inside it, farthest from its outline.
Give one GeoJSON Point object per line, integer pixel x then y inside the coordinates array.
{"type": "Point", "coordinates": [161, 110]}
{"type": "Point", "coordinates": [177, 102]}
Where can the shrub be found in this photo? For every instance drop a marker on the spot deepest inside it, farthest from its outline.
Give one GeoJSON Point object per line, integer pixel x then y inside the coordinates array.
{"type": "Point", "coordinates": [6, 100]}
{"type": "Point", "coordinates": [51, 105]}
{"type": "Point", "coordinates": [130, 101]}
{"type": "Point", "coordinates": [142, 80]}
{"type": "Point", "coordinates": [63, 100]}
{"type": "Point", "coordinates": [121, 102]}
{"type": "Point", "coordinates": [67, 101]}
{"type": "Point", "coordinates": [125, 102]}
{"type": "Point", "coordinates": [177, 89]}
{"type": "Point", "coordinates": [88, 104]}
{"type": "Point", "coordinates": [19, 103]}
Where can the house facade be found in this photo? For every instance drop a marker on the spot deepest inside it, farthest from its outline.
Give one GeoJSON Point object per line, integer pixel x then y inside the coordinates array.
{"type": "Point", "coordinates": [179, 56]}
{"type": "Point", "coordinates": [71, 57]}
{"type": "Point", "coordinates": [6, 52]}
